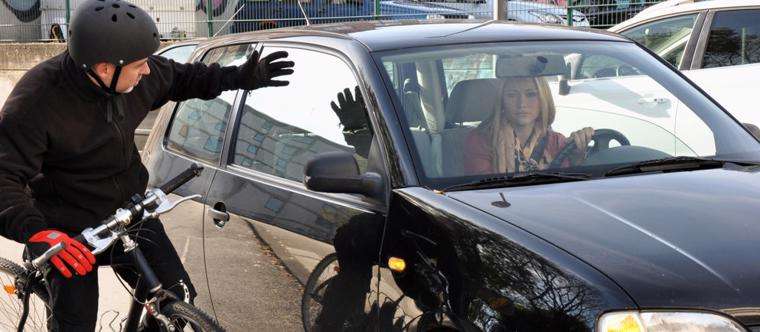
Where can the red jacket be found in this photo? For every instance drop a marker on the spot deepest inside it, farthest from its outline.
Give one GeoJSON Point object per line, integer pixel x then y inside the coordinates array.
{"type": "Point", "coordinates": [478, 153]}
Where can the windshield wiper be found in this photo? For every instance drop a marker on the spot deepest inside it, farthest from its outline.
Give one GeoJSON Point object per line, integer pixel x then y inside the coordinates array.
{"type": "Point", "coordinates": [672, 164]}
{"type": "Point", "coordinates": [520, 180]}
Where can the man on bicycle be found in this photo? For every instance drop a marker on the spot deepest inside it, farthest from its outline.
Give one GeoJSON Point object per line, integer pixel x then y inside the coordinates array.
{"type": "Point", "coordinates": [67, 156]}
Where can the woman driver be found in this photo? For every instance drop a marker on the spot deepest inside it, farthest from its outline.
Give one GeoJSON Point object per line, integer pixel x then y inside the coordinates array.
{"type": "Point", "coordinates": [518, 136]}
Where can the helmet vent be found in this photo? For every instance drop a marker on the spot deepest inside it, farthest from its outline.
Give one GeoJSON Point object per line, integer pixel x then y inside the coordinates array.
{"type": "Point", "coordinates": [97, 9]}
{"type": "Point", "coordinates": [115, 6]}
{"type": "Point", "coordinates": [113, 18]}
{"type": "Point", "coordinates": [132, 6]}
{"type": "Point", "coordinates": [131, 16]}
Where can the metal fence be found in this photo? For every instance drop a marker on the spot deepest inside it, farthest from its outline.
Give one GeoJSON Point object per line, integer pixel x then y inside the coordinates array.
{"type": "Point", "coordinates": [46, 20]}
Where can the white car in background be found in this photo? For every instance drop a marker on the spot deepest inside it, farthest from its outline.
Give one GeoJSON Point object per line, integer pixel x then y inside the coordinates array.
{"type": "Point", "coordinates": [518, 11]}
{"type": "Point", "coordinates": [715, 43]}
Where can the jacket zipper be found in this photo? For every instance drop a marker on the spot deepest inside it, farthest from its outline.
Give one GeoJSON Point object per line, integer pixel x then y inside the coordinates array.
{"type": "Point", "coordinates": [118, 187]}
{"type": "Point", "coordinates": [124, 156]}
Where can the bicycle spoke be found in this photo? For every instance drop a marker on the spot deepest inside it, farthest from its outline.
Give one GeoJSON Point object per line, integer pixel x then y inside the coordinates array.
{"type": "Point", "coordinates": [11, 307]}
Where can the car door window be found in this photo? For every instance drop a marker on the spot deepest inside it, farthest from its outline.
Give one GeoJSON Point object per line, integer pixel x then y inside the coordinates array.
{"type": "Point", "coordinates": [281, 129]}
{"type": "Point", "coordinates": [179, 54]}
{"type": "Point", "coordinates": [198, 126]}
{"type": "Point", "coordinates": [734, 39]}
{"type": "Point", "coordinates": [667, 37]}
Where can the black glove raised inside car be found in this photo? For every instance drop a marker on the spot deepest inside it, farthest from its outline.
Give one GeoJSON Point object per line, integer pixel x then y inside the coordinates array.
{"type": "Point", "coordinates": [350, 110]}
{"type": "Point", "coordinates": [258, 73]}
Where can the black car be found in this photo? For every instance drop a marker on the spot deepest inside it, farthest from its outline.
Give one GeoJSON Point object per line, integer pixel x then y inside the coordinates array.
{"type": "Point", "coordinates": [433, 176]}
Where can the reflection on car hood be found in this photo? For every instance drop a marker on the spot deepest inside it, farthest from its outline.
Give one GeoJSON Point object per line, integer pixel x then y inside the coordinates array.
{"type": "Point", "coordinates": [683, 239]}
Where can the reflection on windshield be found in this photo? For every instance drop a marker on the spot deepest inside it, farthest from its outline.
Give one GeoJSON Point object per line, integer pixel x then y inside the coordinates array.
{"type": "Point", "coordinates": [496, 109]}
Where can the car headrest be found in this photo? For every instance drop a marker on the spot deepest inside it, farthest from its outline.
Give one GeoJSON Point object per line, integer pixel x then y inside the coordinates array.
{"type": "Point", "coordinates": [412, 104]}
{"type": "Point", "coordinates": [472, 100]}
{"type": "Point", "coordinates": [531, 65]}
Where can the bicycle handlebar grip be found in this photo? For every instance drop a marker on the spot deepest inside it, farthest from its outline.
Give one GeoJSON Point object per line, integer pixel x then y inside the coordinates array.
{"type": "Point", "coordinates": [182, 178]}
{"type": "Point", "coordinates": [80, 238]}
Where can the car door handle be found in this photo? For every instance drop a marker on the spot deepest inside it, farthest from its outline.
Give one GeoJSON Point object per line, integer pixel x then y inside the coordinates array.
{"type": "Point", "coordinates": [652, 100]}
{"type": "Point", "coordinates": [220, 217]}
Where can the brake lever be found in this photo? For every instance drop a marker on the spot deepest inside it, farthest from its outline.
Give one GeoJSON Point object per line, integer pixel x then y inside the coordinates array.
{"type": "Point", "coordinates": [167, 205]}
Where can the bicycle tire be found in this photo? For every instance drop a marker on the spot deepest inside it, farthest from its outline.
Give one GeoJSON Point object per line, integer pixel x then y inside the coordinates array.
{"type": "Point", "coordinates": [311, 286]}
{"type": "Point", "coordinates": [198, 321]}
{"type": "Point", "coordinates": [11, 304]}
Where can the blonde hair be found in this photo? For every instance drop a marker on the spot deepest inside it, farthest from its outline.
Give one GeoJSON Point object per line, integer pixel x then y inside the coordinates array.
{"type": "Point", "coordinates": [503, 144]}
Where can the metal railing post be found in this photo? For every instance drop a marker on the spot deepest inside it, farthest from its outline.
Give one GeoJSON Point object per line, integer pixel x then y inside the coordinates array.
{"type": "Point", "coordinates": [499, 9]}
{"type": "Point", "coordinates": [68, 13]}
{"type": "Point", "coordinates": [377, 8]}
{"type": "Point", "coordinates": [210, 17]}
{"type": "Point", "coordinates": [569, 14]}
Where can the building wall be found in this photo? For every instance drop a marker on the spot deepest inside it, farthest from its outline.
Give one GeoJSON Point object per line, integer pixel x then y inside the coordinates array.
{"type": "Point", "coordinates": [16, 59]}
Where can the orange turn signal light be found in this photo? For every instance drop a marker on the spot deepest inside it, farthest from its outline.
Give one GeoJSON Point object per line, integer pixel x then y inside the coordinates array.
{"type": "Point", "coordinates": [10, 289]}
{"type": "Point", "coordinates": [396, 264]}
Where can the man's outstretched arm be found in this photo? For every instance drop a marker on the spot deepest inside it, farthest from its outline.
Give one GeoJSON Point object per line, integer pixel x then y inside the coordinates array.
{"type": "Point", "coordinates": [179, 82]}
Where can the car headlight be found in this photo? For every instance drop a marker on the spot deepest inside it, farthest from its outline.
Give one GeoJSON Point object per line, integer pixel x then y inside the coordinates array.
{"type": "Point", "coordinates": [471, 17]}
{"type": "Point", "coordinates": [435, 17]}
{"type": "Point", "coordinates": [656, 321]}
{"type": "Point", "coordinates": [546, 17]}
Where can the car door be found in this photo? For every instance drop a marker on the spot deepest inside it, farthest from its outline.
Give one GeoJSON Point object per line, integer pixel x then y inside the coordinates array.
{"type": "Point", "coordinates": [259, 192]}
{"type": "Point", "coordinates": [733, 39]}
{"type": "Point", "coordinates": [194, 133]}
{"type": "Point", "coordinates": [673, 38]}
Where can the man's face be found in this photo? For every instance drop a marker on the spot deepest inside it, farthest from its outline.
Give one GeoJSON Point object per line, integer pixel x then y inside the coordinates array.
{"type": "Point", "coordinates": [130, 74]}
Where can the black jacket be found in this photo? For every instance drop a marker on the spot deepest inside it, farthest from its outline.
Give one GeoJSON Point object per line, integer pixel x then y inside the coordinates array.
{"type": "Point", "coordinates": [67, 152]}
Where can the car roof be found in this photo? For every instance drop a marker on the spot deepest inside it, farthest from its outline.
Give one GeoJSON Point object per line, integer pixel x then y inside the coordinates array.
{"type": "Point", "coordinates": [388, 35]}
{"type": "Point", "coordinates": [675, 7]}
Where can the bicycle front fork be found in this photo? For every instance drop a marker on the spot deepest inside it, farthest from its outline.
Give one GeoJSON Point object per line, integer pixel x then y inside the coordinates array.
{"type": "Point", "coordinates": [147, 283]}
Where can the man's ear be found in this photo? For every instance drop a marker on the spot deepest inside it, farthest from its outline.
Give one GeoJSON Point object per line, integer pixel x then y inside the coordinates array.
{"type": "Point", "coordinates": [103, 69]}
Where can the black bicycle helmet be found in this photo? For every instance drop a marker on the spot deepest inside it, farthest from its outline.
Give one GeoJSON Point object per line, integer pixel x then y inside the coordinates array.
{"type": "Point", "coordinates": [111, 31]}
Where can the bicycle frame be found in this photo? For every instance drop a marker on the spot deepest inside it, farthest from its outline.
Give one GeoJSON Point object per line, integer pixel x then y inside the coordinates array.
{"type": "Point", "coordinates": [154, 204]}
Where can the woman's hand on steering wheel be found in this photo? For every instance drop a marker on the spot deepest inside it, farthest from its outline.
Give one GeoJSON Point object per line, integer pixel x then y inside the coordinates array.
{"type": "Point", "coordinates": [581, 138]}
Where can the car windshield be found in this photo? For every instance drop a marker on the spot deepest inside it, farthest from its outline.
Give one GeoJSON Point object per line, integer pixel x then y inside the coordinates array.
{"type": "Point", "coordinates": [477, 111]}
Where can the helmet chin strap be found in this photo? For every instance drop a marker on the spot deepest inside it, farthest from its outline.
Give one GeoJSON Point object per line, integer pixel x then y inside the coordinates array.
{"type": "Point", "coordinates": [112, 104]}
{"type": "Point", "coordinates": [111, 90]}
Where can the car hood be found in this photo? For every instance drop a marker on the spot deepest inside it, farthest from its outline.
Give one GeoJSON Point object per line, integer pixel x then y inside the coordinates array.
{"type": "Point", "coordinates": [685, 239]}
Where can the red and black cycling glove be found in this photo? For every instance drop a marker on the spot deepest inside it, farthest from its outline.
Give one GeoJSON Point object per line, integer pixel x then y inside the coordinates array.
{"type": "Point", "coordinates": [74, 254]}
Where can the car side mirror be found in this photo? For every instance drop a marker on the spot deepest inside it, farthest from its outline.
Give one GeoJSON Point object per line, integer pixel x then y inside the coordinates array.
{"type": "Point", "coordinates": [338, 172]}
{"type": "Point", "coordinates": [752, 129]}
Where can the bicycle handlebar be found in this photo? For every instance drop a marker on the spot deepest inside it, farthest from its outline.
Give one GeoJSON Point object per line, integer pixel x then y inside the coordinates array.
{"type": "Point", "coordinates": [181, 179]}
{"type": "Point", "coordinates": [125, 215]}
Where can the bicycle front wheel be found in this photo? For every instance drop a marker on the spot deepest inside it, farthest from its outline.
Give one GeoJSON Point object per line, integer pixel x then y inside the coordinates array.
{"type": "Point", "coordinates": [185, 317]}
{"type": "Point", "coordinates": [314, 292]}
{"type": "Point", "coordinates": [11, 303]}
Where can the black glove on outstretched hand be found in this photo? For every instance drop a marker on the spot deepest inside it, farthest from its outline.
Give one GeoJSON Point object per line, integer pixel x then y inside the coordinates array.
{"type": "Point", "coordinates": [255, 73]}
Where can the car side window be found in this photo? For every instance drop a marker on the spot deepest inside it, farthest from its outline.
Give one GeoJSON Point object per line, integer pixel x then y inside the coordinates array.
{"type": "Point", "coordinates": [198, 126]}
{"type": "Point", "coordinates": [734, 39]}
{"type": "Point", "coordinates": [179, 54]}
{"type": "Point", "coordinates": [667, 38]}
{"type": "Point", "coordinates": [280, 129]}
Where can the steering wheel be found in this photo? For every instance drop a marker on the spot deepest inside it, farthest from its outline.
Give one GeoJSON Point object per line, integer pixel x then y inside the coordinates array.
{"type": "Point", "coordinates": [601, 139]}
